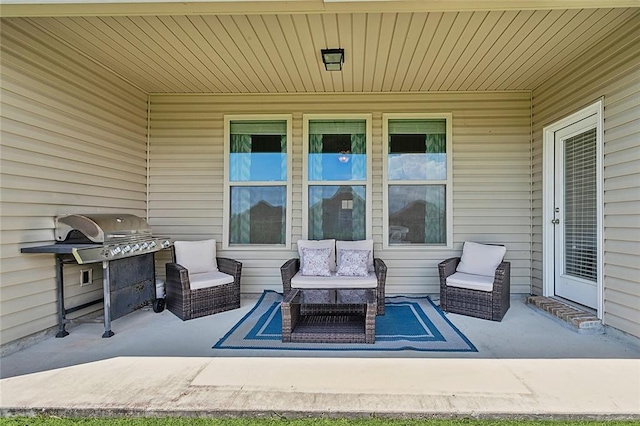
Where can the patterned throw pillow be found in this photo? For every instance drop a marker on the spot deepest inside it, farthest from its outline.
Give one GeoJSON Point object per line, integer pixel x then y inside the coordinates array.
{"type": "Point", "coordinates": [353, 263]}
{"type": "Point", "coordinates": [315, 262]}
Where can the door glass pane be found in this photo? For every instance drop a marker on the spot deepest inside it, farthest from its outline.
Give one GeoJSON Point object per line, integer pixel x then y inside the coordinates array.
{"type": "Point", "coordinates": [580, 206]}
{"type": "Point", "coordinates": [417, 150]}
{"type": "Point", "coordinates": [417, 214]}
{"type": "Point", "coordinates": [258, 151]}
{"type": "Point", "coordinates": [258, 215]}
{"type": "Point", "coordinates": [337, 212]}
{"type": "Point", "coordinates": [337, 150]}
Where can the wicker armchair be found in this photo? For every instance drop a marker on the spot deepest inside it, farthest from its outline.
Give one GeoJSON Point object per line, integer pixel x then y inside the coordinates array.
{"type": "Point", "coordinates": [491, 305]}
{"type": "Point", "coordinates": [292, 266]}
{"type": "Point", "coordinates": [187, 304]}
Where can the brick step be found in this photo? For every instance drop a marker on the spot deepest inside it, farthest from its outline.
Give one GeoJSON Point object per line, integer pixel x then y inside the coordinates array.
{"type": "Point", "coordinates": [577, 319]}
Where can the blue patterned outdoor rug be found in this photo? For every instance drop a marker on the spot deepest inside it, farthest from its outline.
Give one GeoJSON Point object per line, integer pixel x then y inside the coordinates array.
{"type": "Point", "coordinates": [409, 324]}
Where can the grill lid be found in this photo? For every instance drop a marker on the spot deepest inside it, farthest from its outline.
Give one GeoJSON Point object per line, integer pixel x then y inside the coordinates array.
{"type": "Point", "coordinates": [102, 228]}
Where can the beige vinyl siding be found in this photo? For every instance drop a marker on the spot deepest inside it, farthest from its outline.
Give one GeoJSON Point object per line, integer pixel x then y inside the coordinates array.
{"type": "Point", "coordinates": [491, 176]}
{"type": "Point", "coordinates": [612, 71]}
{"type": "Point", "coordinates": [73, 141]}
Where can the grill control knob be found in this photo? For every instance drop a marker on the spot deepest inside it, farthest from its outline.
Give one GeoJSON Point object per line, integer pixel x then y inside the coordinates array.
{"type": "Point", "coordinates": [166, 244]}
{"type": "Point", "coordinates": [115, 250]}
{"type": "Point", "coordinates": [126, 249]}
{"type": "Point", "coordinates": [152, 244]}
{"type": "Point", "coordinates": [135, 247]}
{"type": "Point", "coordinates": [144, 246]}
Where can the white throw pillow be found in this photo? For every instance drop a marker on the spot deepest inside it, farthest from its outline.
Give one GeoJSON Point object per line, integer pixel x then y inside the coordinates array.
{"type": "Point", "coordinates": [196, 256]}
{"type": "Point", "coordinates": [357, 245]}
{"type": "Point", "coordinates": [319, 244]}
{"type": "Point", "coordinates": [480, 259]}
{"type": "Point", "coordinates": [353, 263]}
{"type": "Point", "coordinates": [315, 262]}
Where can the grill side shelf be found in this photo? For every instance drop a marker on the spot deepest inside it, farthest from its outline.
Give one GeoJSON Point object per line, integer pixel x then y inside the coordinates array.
{"type": "Point", "coordinates": [57, 248]}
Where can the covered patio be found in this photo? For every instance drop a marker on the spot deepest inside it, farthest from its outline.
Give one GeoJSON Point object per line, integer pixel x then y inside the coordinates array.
{"type": "Point", "coordinates": [128, 108]}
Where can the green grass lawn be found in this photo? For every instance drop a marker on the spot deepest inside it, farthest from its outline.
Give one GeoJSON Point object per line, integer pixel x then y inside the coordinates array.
{"type": "Point", "coordinates": [173, 421]}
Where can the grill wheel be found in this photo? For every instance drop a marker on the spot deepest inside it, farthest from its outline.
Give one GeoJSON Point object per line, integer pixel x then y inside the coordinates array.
{"type": "Point", "coordinates": [158, 305]}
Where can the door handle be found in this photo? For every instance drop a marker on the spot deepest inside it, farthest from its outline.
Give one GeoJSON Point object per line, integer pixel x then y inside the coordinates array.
{"type": "Point", "coordinates": [555, 221]}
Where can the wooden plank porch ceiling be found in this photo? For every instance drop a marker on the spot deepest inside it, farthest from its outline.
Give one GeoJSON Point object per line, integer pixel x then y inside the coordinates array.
{"type": "Point", "coordinates": [278, 52]}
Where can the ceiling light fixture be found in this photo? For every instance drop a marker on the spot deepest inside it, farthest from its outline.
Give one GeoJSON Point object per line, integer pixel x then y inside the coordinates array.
{"type": "Point", "coordinates": [333, 59]}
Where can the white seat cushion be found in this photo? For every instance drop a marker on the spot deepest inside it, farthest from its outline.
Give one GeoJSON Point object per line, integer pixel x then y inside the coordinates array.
{"type": "Point", "coordinates": [471, 282]}
{"type": "Point", "coordinates": [480, 259]}
{"type": "Point", "coordinates": [319, 244]}
{"type": "Point", "coordinates": [333, 281]}
{"type": "Point", "coordinates": [209, 279]}
{"type": "Point", "coordinates": [196, 256]}
{"type": "Point", "coordinates": [356, 245]}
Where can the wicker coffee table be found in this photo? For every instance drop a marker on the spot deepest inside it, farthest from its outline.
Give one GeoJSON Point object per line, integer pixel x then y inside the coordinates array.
{"type": "Point", "coordinates": [323, 325]}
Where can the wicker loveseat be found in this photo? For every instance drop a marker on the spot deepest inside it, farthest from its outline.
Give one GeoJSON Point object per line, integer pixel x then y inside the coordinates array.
{"type": "Point", "coordinates": [337, 286]}
{"type": "Point", "coordinates": [195, 292]}
{"type": "Point", "coordinates": [478, 295]}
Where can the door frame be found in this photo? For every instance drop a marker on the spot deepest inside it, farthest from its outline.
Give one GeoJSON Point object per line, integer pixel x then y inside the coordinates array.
{"type": "Point", "coordinates": [548, 190]}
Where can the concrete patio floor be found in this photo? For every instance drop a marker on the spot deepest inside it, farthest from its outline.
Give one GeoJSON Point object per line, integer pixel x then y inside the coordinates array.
{"type": "Point", "coordinates": [528, 365]}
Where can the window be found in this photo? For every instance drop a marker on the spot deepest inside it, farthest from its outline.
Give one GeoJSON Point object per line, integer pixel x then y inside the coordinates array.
{"type": "Point", "coordinates": [417, 169]}
{"type": "Point", "coordinates": [337, 168]}
{"type": "Point", "coordinates": [257, 189]}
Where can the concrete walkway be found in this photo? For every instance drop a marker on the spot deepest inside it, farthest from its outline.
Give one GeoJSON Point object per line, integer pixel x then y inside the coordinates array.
{"type": "Point", "coordinates": [329, 386]}
{"type": "Point", "coordinates": [137, 372]}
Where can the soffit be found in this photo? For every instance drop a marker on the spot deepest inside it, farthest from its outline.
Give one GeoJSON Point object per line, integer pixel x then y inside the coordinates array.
{"type": "Point", "coordinates": [32, 8]}
{"type": "Point", "coordinates": [385, 52]}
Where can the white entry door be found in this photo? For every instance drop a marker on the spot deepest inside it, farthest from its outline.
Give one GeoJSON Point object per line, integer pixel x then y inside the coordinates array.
{"type": "Point", "coordinates": [575, 216]}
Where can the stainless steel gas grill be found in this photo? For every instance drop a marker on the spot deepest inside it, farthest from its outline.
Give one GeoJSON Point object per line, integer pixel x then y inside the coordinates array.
{"type": "Point", "coordinates": [125, 246]}
{"type": "Point", "coordinates": [102, 237]}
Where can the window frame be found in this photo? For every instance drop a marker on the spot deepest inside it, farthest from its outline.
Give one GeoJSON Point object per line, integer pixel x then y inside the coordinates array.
{"type": "Point", "coordinates": [386, 182]}
{"type": "Point", "coordinates": [368, 117]}
{"type": "Point", "coordinates": [228, 184]}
